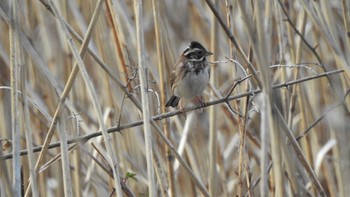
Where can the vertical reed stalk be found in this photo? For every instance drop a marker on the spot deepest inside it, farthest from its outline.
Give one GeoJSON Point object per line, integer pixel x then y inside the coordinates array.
{"type": "Point", "coordinates": [15, 60]}
{"type": "Point", "coordinates": [213, 174]}
{"type": "Point", "coordinates": [143, 74]}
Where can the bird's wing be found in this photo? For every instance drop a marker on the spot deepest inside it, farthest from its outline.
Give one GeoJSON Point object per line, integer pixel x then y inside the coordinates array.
{"type": "Point", "coordinates": [177, 73]}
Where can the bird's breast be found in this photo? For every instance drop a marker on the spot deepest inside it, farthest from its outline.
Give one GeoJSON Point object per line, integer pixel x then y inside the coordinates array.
{"type": "Point", "coordinates": [193, 83]}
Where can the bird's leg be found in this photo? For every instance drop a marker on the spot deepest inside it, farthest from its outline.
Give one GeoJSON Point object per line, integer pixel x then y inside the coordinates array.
{"type": "Point", "coordinates": [201, 101]}
{"type": "Point", "coordinates": [182, 109]}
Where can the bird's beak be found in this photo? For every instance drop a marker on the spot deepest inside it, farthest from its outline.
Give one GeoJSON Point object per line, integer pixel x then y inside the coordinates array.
{"type": "Point", "coordinates": [209, 53]}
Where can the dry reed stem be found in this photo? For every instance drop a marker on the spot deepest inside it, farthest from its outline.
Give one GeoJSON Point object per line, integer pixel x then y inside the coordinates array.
{"type": "Point", "coordinates": [15, 61]}
{"type": "Point", "coordinates": [28, 131]}
{"type": "Point", "coordinates": [116, 33]}
{"type": "Point", "coordinates": [213, 174]}
{"type": "Point", "coordinates": [67, 180]}
{"type": "Point", "coordinates": [163, 90]}
{"type": "Point", "coordinates": [143, 74]}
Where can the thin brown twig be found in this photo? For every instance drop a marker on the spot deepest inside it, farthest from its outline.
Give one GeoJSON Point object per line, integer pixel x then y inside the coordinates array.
{"type": "Point", "coordinates": [242, 132]}
{"type": "Point", "coordinates": [236, 83]}
{"type": "Point", "coordinates": [307, 130]}
{"type": "Point", "coordinates": [299, 153]}
{"type": "Point", "coordinates": [106, 168]}
{"type": "Point", "coordinates": [325, 74]}
{"type": "Point", "coordinates": [258, 180]}
{"type": "Point", "coordinates": [121, 110]}
{"type": "Point", "coordinates": [235, 43]}
{"type": "Point", "coordinates": [312, 49]}
{"type": "Point", "coordinates": [233, 87]}
{"type": "Point", "coordinates": [85, 138]}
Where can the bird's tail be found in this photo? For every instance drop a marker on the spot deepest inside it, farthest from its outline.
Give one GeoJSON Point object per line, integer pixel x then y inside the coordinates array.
{"type": "Point", "coordinates": [173, 101]}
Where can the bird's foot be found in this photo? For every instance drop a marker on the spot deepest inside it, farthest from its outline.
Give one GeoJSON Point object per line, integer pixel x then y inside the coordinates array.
{"type": "Point", "coordinates": [182, 111]}
{"type": "Point", "coordinates": [201, 102]}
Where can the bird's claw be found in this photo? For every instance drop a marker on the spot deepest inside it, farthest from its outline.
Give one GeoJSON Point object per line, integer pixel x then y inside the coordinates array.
{"type": "Point", "coordinates": [182, 111]}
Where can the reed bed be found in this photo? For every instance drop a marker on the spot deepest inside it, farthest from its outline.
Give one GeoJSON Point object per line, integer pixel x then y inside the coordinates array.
{"type": "Point", "coordinates": [83, 86]}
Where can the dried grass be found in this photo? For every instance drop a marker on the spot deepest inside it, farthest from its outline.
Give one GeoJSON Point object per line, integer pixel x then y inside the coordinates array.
{"type": "Point", "coordinates": [276, 123]}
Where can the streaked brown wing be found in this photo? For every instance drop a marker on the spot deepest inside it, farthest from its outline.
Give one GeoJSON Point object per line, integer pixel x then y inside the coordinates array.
{"type": "Point", "coordinates": [178, 71]}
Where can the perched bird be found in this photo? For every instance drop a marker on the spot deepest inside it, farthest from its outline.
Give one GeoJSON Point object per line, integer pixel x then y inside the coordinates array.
{"type": "Point", "coordinates": [190, 75]}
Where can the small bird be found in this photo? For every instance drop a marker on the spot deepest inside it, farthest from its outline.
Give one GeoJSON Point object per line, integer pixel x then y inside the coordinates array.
{"type": "Point", "coordinates": [190, 75]}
